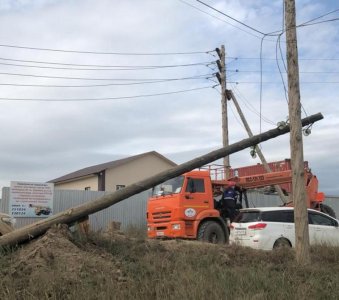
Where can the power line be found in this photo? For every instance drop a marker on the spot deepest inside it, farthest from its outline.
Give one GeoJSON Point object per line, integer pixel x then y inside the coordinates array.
{"type": "Point", "coordinates": [278, 65]}
{"type": "Point", "coordinates": [273, 82]}
{"type": "Point", "coordinates": [106, 53]}
{"type": "Point", "coordinates": [270, 58]}
{"type": "Point", "coordinates": [104, 67]}
{"type": "Point", "coordinates": [107, 79]}
{"type": "Point", "coordinates": [249, 106]}
{"type": "Point", "coordinates": [236, 118]}
{"type": "Point", "coordinates": [319, 17]}
{"type": "Point", "coordinates": [315, 23]}
{"type": "Point", "coordinates": [305, 72]}
{"type": "Point", "coordinates": [101, 85]}
{"type": "Point", "coordinates": [307, 23]}
{"type": "Point", "coordinates": [103, 98]}
{"type": "Point", "coordinates": [215, 17]}
{"type": "Point", "coordinates": [228, 16]}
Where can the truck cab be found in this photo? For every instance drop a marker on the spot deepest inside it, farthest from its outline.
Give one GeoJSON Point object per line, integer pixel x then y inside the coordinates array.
{"type": "Point", "coordinates": [183, 207]}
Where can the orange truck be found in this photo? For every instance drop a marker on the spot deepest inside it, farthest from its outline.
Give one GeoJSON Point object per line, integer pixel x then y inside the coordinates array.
{"type": "Point", "coordinates": [185, 206]}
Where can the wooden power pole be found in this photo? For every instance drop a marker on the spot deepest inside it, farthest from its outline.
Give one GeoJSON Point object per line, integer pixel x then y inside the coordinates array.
{"type": "Point", "coordinates": [302, 243]}
{"type": "Point", "coordinates": [224, 116]}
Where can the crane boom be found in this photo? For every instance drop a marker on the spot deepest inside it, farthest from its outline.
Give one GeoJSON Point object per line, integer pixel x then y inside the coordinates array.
{"type": "Point", "coordinates": [314, 198]}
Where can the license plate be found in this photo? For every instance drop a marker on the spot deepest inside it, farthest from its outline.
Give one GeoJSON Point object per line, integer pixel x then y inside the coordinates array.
{"type": "Point", "coordinates": [240, 231]}
{"type": "Point", "coordinates": [160, 233]}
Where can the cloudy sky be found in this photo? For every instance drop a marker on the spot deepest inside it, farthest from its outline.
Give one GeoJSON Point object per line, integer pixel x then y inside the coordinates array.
{"type": "Point", "coordinates": [84, 82]}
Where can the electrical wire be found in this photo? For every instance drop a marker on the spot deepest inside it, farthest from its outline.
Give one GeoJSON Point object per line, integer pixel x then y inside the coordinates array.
{"type": "Point", "coordinates": [100, 69]}
{"type": "Point", "coordinates": [103, 98]}
{"type": "Point", "coordinates": [228, 16]}
{"type": "Point", "coordinates": [270, 58]}
{"type": "Point", "coordinates": [105, 53]}
{"type": "Point", "coordinates": [275, 82]}
{"type": "Point", "coordinates": [106, 66]}
{"type": "Point", "coordinates": [99, 85]}
{"type": "Point", "coordinates": [320, 22]}
{"type": "Point", "coordinates": [278, 45]}
{"type": "Point", "coordinates": [108, 79]}
{"type": "Point", "coordinates": [236, 118]}
{"type": "Point", "coordinates": [248, 105]}
{"type": "Point", "coordinates": [319, 17]}
{"type": "Point", "coordinates": [215, 17]}
{"type": "Point", "coordinates": [303, 72]}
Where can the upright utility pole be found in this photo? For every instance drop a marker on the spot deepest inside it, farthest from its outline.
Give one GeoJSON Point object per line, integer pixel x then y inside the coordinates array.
{"type": "Point", "coordinates": [224, 118]}
{"type": "Point", "coordinates": [230, 95]}
{"type": "Point", "coordinates": [302, 242]}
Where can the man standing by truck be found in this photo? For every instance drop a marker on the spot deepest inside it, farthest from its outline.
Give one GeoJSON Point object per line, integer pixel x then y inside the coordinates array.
{"type": "Point", "coordinates": [229, 201]}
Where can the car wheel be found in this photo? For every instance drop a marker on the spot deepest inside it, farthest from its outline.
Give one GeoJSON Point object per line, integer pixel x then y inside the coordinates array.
{"type": "Point", "coordinates": [327, 210]}
{"type": "Point", "coordinates": [211, 232]}
{"type": "Point", "coordinates": [282, 243]}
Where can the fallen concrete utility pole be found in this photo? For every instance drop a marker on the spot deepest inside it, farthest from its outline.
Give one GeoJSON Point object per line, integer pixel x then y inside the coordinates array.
{"type": "Point", "coordinates": [79, 212]}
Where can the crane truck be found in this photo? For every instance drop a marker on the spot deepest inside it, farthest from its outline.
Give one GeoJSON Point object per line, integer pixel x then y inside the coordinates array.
{"type": "Point", "coordinates": [185, 206]}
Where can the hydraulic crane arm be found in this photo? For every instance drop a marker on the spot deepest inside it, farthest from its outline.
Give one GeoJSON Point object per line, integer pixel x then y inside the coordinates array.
{"type": "Point", "coordinates": [266, 179]}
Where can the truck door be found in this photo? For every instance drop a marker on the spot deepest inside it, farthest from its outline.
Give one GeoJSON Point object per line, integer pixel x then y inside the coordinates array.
{"type": "Point", "coordinates": [196, 197]}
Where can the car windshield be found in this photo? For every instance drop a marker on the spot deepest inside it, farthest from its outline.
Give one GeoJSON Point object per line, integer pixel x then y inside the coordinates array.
{"type": "Point", "coordinates": [171, 186]}
{"type": "Point", "coordinates": [247, 216]}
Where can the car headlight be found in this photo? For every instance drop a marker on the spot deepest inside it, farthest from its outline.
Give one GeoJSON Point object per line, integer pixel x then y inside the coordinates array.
{"type": "Point", "coordinates": [176, 226]}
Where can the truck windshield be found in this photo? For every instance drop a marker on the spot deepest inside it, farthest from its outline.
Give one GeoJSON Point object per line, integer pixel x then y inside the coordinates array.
{"type": "Point", "coordinates": [171, 186]}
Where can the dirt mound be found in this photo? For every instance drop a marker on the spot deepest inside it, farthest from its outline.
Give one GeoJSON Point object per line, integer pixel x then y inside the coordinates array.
{"type": "Point", "coordinates": [54, 257]}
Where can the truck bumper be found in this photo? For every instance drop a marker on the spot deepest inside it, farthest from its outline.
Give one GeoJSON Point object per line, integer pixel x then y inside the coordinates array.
{"type": "Point", "coordinates": [174, 229]}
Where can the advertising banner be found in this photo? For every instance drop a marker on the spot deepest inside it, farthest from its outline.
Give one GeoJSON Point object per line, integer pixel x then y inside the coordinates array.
{"type": "Point", "coordinates": [31, 199]}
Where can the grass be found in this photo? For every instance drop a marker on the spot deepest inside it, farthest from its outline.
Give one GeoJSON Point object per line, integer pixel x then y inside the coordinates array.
{"type": "Point", "coordinates": [176, 270]}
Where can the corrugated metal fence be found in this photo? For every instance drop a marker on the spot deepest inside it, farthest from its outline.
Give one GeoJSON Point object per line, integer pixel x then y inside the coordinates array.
{"type": "Point", "coordinates": [132, 211]}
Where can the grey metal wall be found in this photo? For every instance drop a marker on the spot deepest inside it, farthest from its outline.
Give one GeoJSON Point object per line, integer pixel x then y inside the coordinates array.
{"type": "Point", "coordinates": [257, 199]}
{"type": "Point", "coordinates": [131, 211]}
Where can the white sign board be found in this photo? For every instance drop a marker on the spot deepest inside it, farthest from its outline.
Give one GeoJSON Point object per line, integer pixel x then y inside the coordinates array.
{"type": "Point", "coordinates": [31, 199]}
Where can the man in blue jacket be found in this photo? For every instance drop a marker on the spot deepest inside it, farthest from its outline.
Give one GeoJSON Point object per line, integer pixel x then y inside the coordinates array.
{"type": "Point", "coordinates": [229, 201]}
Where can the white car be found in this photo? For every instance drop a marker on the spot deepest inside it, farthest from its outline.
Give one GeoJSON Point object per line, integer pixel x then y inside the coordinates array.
{"type": "Point", "coordinates": [271, 227]}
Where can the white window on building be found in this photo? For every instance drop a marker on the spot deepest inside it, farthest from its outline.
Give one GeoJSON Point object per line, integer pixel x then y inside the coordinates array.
{"type": "Point", "coordinates": [87, 188]}
{"type": "Point", "coordinates": [119, 186]}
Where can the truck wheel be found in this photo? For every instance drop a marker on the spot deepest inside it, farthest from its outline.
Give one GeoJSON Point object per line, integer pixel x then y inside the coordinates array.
{"type": "Point", "coordinates": [327, 210]}
{"type": "Point", "coordinates": [211, 232]}
{"type": "Point", "coordinates": [281, 243]}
